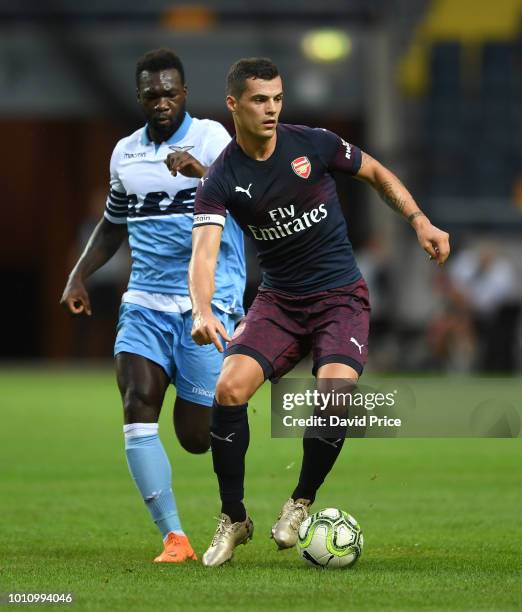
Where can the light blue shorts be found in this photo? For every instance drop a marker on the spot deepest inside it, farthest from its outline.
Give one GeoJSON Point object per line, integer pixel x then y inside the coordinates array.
{"type": "Point", "coordinates": [164, 338]}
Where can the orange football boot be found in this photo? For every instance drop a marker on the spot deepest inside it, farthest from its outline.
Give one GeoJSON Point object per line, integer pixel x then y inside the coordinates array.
{"type": "Point", "coordinates": [177, 550]}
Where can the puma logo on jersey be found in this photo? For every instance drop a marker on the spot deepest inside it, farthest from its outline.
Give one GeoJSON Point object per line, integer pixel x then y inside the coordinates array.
{"type": "Point", "coordinates": [359, 346]}
{"type": "Point", "coordinates": [243, 190]}
{"type": "Point", "coordinates": [203, 179]}
{"type": "Point", "coordinates": [226, 439]}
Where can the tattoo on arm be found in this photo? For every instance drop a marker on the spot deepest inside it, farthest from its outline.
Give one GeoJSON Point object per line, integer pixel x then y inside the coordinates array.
{"type": "Point", "coordinates": [414, 215]}
{"type": "Point", "coordinates": [391, 198]}
{"type": "Point", "coordinates": [389, 190]}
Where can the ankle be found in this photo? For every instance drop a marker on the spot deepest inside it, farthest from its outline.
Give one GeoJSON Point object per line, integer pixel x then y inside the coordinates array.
{"type": "Point", "coordinates": [302, 495]}
{"type": "Point", "coordinates": [235, 510]}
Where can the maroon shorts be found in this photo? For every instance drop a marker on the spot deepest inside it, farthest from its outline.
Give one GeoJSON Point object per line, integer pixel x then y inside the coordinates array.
{"type": "Point", "coordinates": [280, 329]}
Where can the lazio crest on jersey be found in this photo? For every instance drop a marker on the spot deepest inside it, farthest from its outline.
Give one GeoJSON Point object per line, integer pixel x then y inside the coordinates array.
{"type": "Point", "coordinates": [158, 209]}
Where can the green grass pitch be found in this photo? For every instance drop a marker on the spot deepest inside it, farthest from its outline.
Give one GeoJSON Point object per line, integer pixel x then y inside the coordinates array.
{"type": "Point", "coordinates": [441, 518]}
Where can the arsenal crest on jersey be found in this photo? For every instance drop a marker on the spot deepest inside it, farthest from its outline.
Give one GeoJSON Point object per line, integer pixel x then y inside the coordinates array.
{"type": "Point", "coordinates": [302, 166]}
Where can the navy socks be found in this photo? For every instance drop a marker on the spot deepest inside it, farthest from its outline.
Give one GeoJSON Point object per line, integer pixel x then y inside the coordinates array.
{"type": "Point", "coordinates": [229, 439]}
{"type": "Point", "coordinates": [319, 456]}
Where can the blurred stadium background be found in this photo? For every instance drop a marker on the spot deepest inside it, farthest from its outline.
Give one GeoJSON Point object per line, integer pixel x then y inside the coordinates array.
{"type": "Point", "coordinates": [431, 88]}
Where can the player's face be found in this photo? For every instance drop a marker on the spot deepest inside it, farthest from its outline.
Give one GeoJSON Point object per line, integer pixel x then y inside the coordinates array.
{"type": "Point", "coordinates": [256, 112]}
{"type": "Point", "coordinates": [162, 96]}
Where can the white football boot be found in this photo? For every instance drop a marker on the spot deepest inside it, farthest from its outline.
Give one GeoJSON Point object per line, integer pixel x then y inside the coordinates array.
{"type": "Point", "coordinates": [292, 515]}
{"type": "Point", "coordinates": [228, 535]}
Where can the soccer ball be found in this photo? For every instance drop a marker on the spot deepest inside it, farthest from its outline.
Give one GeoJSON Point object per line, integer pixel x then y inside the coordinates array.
{"type": "Point", "coordinates": [330, 538]}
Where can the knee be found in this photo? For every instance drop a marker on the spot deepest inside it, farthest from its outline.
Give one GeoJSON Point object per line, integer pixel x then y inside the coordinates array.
{"type": "Point", "coordinates": [196, 443]}
{"type": "Point", "coordinates": [139, 406]}
{"type": "Point", "coordinates": [339, 392]}
{"type": "Point", "coordinates": [230, 391]}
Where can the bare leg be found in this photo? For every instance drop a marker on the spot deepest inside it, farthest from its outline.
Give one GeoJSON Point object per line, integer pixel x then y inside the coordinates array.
{"type": "Point", "coordinates": [192, 425]}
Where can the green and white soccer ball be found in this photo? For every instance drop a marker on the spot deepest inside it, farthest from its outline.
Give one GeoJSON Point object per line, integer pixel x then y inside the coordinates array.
{"type": "Point", "coordinates": [330, 538]}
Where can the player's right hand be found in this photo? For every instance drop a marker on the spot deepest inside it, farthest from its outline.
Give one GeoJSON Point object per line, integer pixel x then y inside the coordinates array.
{"type": "Point", "coordinates": [206, 329]}
{"type": "Point", "coordinates": [184, 163]}
{"type": "Point", "coordinates": [75, 297]}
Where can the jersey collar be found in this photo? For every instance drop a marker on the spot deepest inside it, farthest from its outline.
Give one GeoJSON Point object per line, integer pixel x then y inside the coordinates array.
{"type": "Point", "coordinates": [178, 135]}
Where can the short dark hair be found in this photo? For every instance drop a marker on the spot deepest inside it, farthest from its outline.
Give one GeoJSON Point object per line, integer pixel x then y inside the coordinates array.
{"type": "Point", "coordinates": [159, 59]}
{"type": "Point", "coordinates": [249, 68]}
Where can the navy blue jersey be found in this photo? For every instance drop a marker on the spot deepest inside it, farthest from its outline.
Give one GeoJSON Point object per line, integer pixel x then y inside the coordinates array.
{"type": "Point", "coordinates": [288, 205]}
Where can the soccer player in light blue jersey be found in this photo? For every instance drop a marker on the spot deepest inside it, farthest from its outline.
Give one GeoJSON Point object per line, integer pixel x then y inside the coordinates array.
{"type": "Point", "coordinates": [154, 175]}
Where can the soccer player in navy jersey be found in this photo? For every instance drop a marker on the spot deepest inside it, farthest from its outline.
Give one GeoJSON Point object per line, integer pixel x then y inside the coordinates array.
{"type": "Point", "coordinates": [154, 204]}
{"type": "Point", "coordinates": [275, 181]}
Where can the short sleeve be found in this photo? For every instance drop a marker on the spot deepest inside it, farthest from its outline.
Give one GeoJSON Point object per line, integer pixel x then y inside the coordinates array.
{"type": "Point", "coordinates": [336, 153]}
{"type": "Point", "coordinates": [217, 138]}
{"type": "Point", "coordinates": [117, 204]}
{"type": "Point", "coordinates": [209, 207]}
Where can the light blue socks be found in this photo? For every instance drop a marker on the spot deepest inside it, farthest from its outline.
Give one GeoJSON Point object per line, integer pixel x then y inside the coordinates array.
{"type": "Point", "coordinates": [150, 468]}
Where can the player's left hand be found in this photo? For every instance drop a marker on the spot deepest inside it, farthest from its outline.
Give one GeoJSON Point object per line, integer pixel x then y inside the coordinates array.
{"type": "Point", "coordinates": [433, 240]}
{"type": "Point", "coordinates": [185, 164]}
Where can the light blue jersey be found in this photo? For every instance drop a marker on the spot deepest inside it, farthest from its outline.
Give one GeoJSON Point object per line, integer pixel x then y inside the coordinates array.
{"type": "Point", "coordinates": [155, 320]}
{"type": "Point", "coordinates": [158, 209]}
